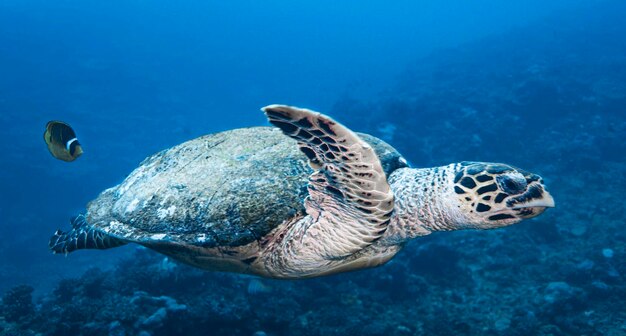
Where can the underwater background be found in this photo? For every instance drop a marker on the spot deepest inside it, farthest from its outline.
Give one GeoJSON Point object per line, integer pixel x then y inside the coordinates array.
{"type": "Point", "coordinates": [540, 85]}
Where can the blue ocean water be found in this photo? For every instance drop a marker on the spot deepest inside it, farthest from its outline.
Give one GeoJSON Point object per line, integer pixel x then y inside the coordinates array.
{"type": "Point", "coordinates": [534, 84]}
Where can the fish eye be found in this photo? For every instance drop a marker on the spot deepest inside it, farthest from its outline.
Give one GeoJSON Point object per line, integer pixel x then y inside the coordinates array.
{"type": "Point", "coordinates": [511, 185]}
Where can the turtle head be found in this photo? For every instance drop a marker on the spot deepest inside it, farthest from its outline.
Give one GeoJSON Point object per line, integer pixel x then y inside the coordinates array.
{"type": "Point", "coordinates": [494, 195]}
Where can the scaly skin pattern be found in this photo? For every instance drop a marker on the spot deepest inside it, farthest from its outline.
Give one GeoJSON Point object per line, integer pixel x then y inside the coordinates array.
{"type": "Point", "coordinates": [424, 202]}
{"type": "Point", "coordinates": [359, 216]}
{"type": "Point", "coordinates": [465, 195]}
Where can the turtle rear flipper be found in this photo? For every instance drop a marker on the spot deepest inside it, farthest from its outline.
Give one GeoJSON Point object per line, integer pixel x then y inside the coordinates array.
{"type": "Point", "coordinates": [82, 236]}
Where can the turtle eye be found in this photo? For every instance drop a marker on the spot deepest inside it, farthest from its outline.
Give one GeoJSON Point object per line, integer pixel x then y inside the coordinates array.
{"type": "Point", "coordinates": [511, 185]}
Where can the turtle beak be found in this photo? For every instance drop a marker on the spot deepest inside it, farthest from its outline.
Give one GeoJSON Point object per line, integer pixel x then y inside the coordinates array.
{"type": "Point", "coordinates": [546, 201]}
{"type": "Point", "coordinates": [533, 202]}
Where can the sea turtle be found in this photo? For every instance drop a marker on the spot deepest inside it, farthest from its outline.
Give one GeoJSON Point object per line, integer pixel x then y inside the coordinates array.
{"type": "Point", "coordinates": [252, 201]}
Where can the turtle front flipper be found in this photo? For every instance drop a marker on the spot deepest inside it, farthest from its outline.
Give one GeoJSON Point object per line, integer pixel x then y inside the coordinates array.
{"type": "Point", "coordinates": [82, 236]}
{"type": "Point", "coordinates": [350, 202]}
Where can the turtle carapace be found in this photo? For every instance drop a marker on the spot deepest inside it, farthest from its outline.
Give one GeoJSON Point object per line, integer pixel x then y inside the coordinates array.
{"type": "Point", "coordinates": [305, 198]}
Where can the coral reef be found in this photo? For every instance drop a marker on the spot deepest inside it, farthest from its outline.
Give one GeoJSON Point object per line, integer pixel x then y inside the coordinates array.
{"type": "Point", "coordinates": [556, 108]}
{"type": "Point", "coordinates": [17, 303]}
{"type": "Point", "coordinates": [464, 283]}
